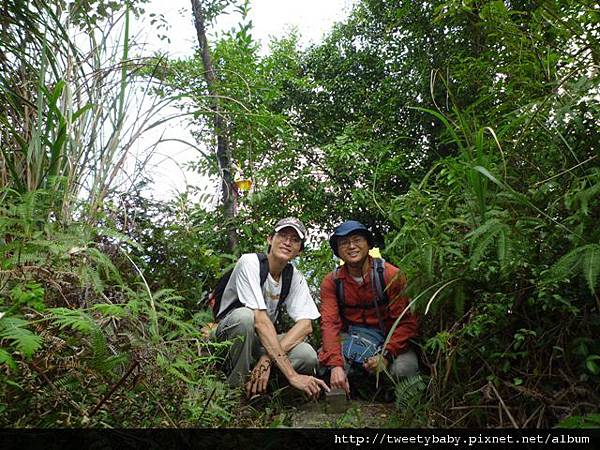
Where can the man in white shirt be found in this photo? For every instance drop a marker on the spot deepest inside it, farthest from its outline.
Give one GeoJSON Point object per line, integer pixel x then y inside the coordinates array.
{"type": "Point", "coordinates": [253, 310]}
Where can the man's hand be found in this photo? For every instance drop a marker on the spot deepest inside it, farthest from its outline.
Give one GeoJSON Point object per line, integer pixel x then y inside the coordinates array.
{"type": "Point", "coordinates": [339, 380]}
{"type": "Point", "coordinates": [376, 364]}
{"type": "Point", "coordinates": [309, 385]}
{"type": "Point", "coordinates": [259, 377]}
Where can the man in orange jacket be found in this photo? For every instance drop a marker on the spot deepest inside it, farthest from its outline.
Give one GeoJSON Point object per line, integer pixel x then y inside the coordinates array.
{"type": "Point", "coordinates": [355, 326]}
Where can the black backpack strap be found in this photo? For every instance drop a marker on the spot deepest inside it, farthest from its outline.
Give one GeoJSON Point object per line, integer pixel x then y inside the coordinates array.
{"type": "Point", "coordinates": [286, 284]}
{"type": "Point", "coordinates": [339, 294]}
{"type": "Point", "coordinates": [378, 285]}
{"type": "Point", "coordinates": [264, 267]}
{"type": "Point", "coordinates": [378, 280]}
{"type": "Point", "coordinates": [286, 280]}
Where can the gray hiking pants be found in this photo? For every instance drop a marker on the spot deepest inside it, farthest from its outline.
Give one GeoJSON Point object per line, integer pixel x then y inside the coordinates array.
{"type": "Point", "coordinates": [238, 327]}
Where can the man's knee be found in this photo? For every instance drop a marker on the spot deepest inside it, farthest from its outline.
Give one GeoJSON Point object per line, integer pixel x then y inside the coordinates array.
{"type": "Point", "coordinates": [405, 365]}
{"type": "Point", "coordinates": [304, 358]}
{"type": "Point", "coordinates": [239, 322]}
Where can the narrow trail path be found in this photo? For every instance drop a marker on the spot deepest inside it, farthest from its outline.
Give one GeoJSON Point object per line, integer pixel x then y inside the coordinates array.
{"type": "Point", "coordinates": [358, 413]}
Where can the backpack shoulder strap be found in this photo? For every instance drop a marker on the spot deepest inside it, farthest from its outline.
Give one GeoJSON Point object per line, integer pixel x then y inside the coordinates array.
{"type": "Point", "coordinates": [286, 282]}
{"type": "Point", "coordinates": [264, 267]}
{"type": "Point", "coordinates": [339, 294]}
{"type": "Point", "coordinates": [378, 284]}
{"type": "Point", "coordinates": [378, 280]}
{"type": "Point", "coordinates": [218, 292]}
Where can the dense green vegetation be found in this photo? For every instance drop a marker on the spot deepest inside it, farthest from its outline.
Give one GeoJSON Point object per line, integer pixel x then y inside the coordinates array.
{"type": "Point", "coordinates": [464, 133]}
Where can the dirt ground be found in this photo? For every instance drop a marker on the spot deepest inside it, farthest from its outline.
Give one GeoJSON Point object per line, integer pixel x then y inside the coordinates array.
{"type": "Point", "coordinates": [358, 413]}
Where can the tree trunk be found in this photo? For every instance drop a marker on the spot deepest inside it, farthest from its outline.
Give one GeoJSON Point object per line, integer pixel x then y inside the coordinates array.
{"type": "Point", "coordinates": [220, 127]}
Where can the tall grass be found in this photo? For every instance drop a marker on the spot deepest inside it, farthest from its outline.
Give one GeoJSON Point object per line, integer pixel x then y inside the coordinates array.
{"type": "Point", "coordinates": [74, 105]}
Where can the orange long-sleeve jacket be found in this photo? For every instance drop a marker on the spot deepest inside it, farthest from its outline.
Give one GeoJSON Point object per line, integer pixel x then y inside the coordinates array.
{"type": "Point", "coordinates": [332, 324]}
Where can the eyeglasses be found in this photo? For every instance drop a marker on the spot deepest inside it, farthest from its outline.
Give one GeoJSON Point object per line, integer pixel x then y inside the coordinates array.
{"type": "Point", "coordinates": [291, 237]}
{"type": "Point", "coordinates": [355, 240]}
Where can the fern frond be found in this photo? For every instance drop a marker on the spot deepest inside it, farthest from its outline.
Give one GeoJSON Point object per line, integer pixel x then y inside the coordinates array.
{"type": "Point", "coordinates": [480, 248]}
{"type": "Point", "coordinates": [503, 247]}
{"type": "Point", "coordinates": [103, 358]}
{"type": "Point", "coordinates": [73, 318]}
{"type": "Point", "coordinates": [590, 265]}
{"type": "Point", "coordinates": [25, 341]}
{"type": "Point", "coordinates": [108, 309]}
{"type": "Point", "coordinates": [166, 295]}
{"type": "Point", "coordinates": [103, 262]}
{"type": "Point", "coordinates": [584, 197]}
{"type": "Point", "coordinates": [587, 421]}
{"type": "Point", "coordinates": [182, 327]}
{"type": "Point", "coordinates": [182, 370]}
{"type": "Point", "coordinates": [6, 358]}
{"type": "Point", "coordinates": [113, 361]}
{"type": "Point", "coordinates": [99, 346]}
{"type": "Point", "coordinates": [26, 256]}
{"type": "Point", "coordinates": [487, 226]}
{"type": "Point", "coordinates": [90, 277]}
{"type": "Point", "coordinates": [66, 383]}
{"type": "Point", "coordinates": [409, 391]}
{"type": "Point", "coordinates": [31, 202]}
{"type": "Point", "coordinates": [48, 246]}
{"type": "Point", "coordinates": [485, 235]}
{"type": "Point", "coordinates": [566, 265]}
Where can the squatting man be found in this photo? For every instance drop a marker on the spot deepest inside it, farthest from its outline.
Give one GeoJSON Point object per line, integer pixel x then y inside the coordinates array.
{"type": "Point", "coordinates": [249, 309]}
{"type": "Point", "coordinates": [361, 302]}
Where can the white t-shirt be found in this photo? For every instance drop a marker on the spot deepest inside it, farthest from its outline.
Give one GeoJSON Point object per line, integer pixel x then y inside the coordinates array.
{"type": "Point", "coordinates": [244, 285]}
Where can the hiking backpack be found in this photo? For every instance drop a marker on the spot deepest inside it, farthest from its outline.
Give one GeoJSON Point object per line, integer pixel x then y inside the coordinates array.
{"type": "Point", "coordinates": [378, 285]}
{"type": "Point", "coordinates": [215, 297]}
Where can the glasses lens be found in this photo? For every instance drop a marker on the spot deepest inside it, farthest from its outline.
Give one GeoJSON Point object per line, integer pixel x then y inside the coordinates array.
{"type": "Point", "coordinates": [356, 240]}
{"type": "Point", "coordinates": [290, 237]}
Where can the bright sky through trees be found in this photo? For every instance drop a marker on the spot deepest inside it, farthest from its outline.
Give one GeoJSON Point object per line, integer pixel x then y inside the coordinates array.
{"type": "Point", "coordinates": [311, 18]}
